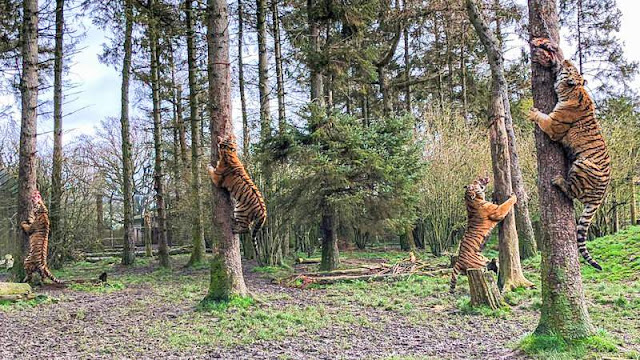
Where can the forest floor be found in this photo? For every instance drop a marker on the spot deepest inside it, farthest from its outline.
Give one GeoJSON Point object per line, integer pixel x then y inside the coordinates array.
{"type": "Point", "coordinates": [153, 313]}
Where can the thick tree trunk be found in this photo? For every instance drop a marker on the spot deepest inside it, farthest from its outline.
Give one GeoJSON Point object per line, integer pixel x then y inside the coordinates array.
{"type": "Point", "coordinates": [263, 70]}
{"type": "Point", "coordinates": [483, 289]}
{"type": "Point", "coordinates": [277, 48]}
{"type": "Point", "coordinates": [28, 127]}
{"type": "Point", "coordinates": [197, 230]}
{"type": "Point", "coordinates": [56, 171]}
{"type": "Point", "coordinates": [226, 268]}
{"type": "Point", "coordinates": [158, 184]}
{"type": "Point", "coordinates": [510, 274]}
{"type": "Point", "coordinates": [129, 247]}
{"type": "Point", "coordinates": [330, 254]}
{"type": "Point", "coordinates": [316, 78]}
{"type": "Point", "coordinates": [246, 132]}
{"type": "Point", "coordinates": [564, 310]}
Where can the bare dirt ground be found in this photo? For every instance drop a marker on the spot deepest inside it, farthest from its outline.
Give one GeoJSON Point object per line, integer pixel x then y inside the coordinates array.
{"type": "Point", "coordinates": [134, 322]}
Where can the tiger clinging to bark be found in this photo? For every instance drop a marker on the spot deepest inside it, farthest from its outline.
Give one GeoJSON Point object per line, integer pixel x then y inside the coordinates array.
{"type": "Point", "coordinates": [573, 123]}
{"type": "Point", "coordinates": [231, 175]}
{"type": "Point", "coordinates": [37, 227]}
{"type": "Point", "coordinates": [482, 217]}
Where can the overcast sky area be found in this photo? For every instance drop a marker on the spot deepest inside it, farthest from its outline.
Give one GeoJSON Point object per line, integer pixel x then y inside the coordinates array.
{"type": "Point", "coordinates": [97, 94]}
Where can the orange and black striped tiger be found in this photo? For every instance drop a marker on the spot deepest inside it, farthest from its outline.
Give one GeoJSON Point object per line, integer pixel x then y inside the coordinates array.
{"type": "Point", "coordinates": [573, 123]}
{"type": "Point", "coordinates": [37, 227]}
{"type": "Point", "coordinates": [482, 217]}
{"type": "Point", "coordinates": [231, 175]}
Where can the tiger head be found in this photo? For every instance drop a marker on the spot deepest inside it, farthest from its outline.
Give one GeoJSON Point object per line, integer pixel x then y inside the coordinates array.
{"type": "Point", "coordinates": [476, 190]}
{"type": "Point", "coordinates": [36, 202]}
{"type": "Point", "coordinates": [568, 79]}
{"type": "Point", "coordinates": [227, 146]}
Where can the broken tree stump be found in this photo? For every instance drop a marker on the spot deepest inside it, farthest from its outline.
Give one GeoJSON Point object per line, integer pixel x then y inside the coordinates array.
{"type": "Point", "coordinates": [15, 291]}
{"type": "Point", "coordinates": [483, 289]}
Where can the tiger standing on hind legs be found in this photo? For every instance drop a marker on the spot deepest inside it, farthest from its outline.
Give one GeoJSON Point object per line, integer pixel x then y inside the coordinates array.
{"type": "Point", "coordinates": [573, 123]}
{"type": "Point", "coordinates": [37, 227]}
{"type": "Point", "coordinates": [231, 175]}
{"type": "Point", "coordinates": [482, 217]}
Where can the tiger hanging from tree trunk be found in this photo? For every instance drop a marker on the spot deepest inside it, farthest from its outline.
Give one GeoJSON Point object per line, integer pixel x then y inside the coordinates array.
{"type": "Point", "coordinates": [573, 123]}
{"type": "Point", "coordinates": [37, 227]}
{"type": "Point", "coordinates": [231, 175]}
{"type": "Point", "coordinates": [482, 217]}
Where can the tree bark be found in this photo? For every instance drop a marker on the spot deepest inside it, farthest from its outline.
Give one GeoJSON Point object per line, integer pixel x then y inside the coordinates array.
{"type": "Point", "coordinates": [330, 253]}
{"type": "Point", "coordinates": [277, 48]}
{"type": "Point", "coordinates": [263, 70]}
{"type": "Point", "coordinates": [148, 245]}
{"type": "Point", "coordinates": [99, 216]}
{"type": "Point", "coordinates": [56, 171]}
{"type": "Point", "coordinates": [564, 310]}
{"type": "Point", "coordinates": [483, 289]}
{"type": "Point", "coordinates": [246, 132]}
{"type": "Point", "coordinates": [28, 128]}
{"type": "Point", "coordinates": [316, 78]}
{"type": "Point", "coordinates": [197, 230]}
{"type": "Point", "coordinates": [129, 247]}
{"type": "Point", "coordinates": [510, 273]}
{"type": "Point", "coordinates": [632, 208]}
{"type": "Point", "coordinates": [226, 268]}
{"type": "Point", "coordinates": [163, 250]}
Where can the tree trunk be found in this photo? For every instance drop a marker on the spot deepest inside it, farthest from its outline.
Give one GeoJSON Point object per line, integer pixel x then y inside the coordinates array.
{"type": "Point", "coordinates": [277, 48]}
{"type": "Point", "coordinates": [483, 289]}
{"type": "Point", "coordinates": [148, 244]}
{"type": "Point", "coordinates": [564, 310]}
{"type": "Point", "coordinates": [158, 184]}
{"type": "Point", "coordinates": [317, 86]}
{"type": "Point", "coordinates": [463, 70]}
{"type": "Point", "coordinates": [632, 208]}
{"type": "Point", "coordinates": [56, 171]}
{"type": "Point", "coordinates": [197, 230]}
{"type": "Point", "coordinates": [407, 65]}
{"type": "Point", "coordinates": [246, 132]}
{"type": "Point", "coordinates": [99, 216]}
{"type": "Point", "coordinates": [226, 268]}
{"type": "Point", "coordinates": [129, 246]}
{"type": "Point", "coordinates": [510, 273]}
{"type": "Point", "coordinates": [263, 70]}
{"type": "Point", "coordinates": [330, 254]}
{"type": "Point", "coordinates": [28, 127]}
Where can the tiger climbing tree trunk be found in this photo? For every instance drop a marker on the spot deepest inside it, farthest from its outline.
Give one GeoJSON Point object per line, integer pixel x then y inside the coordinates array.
{"type": "Point", "coordinates": [28, 127]}
{"type": "Point", "coordinates": [129, 246]}
{"type": "Point", "coordinates": [483, 289]}
{"type": "Point", "coordinates": [197, 230]}
{"type": "Point", "coordinates": [564, 310]}
{"type": "Point", "coordinates": [158, 184]}
{"type": "Point", "coordinates": [510, 275]}
{"type": "Point", "coordinates": [227, 279]}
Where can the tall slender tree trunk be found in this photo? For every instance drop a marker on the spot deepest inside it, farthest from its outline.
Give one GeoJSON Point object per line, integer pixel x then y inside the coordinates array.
{"type": "Point", "coordinates": [510, 275]}
{"type": "Point", "coordinates": [632, 208]}
{"type": "Point", "coordinates": [227, 279]}
{"type": "Point", "coordinates": [129, 246]}
{"type": "Point", "coordinates": [564, 309]}
{"type": "Point", "coordinates": [28, 127]}
{"type": "Point", "coordinates": [263, 70]}
{"type": "Point", "coordinates": [99, 216]}
{"type": "Point", "coordinates": [463, 70]}
{"type": "Point", "coordinates": [56, 171]}
{"type": "Point", "coordinates": [197, 230]}
{"type": "Point", "coordinates": [316, 78]}
{"type": "Point", "coordinates": [328, 227]}
{"type": "Point", "coordinates": [407, 64]}
{"type": "Point", "coordinates": [246, 131]}
{"type": "Point", "coordinates": [158, 184]}
{"type": "Point", "coordinates": [277, 48]}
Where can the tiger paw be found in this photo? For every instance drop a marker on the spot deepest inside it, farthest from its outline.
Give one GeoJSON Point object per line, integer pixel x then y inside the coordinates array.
{"type": "Point", "coordinates": [533, 113]}
{"type": "Point", "coordinates": [558, 180]}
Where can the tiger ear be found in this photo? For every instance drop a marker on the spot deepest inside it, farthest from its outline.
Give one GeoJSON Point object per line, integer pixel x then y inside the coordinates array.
{"type": "Point", "coordinates": [219, 139]}
{"type": "Point", "coordinates": [584, 82]}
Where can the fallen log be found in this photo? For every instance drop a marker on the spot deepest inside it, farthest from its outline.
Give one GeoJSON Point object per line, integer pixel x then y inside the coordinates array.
{"type": "Point", "coordinates": [308, 261]}
{"type": "Point", "coordinates": [15, 291]}
{"type": "Point", "coordinates": [325, 280]}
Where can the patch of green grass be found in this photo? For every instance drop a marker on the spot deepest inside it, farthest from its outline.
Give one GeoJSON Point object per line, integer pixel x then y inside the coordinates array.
{"type": "Point", "coordinates": [274, 272]}
{"type": "Point", "coordinates": [618, 254]}
{"type": "Point", "coordinates": [236, 302]}
{"type": "Point", "coordinates": [6, 305]}
{"type": "Point", "coordinates": [464, 305]}
{"type": "Point", "coordinates": [107, 288]}
{"type": "Point", "coordinates": [555, 347]}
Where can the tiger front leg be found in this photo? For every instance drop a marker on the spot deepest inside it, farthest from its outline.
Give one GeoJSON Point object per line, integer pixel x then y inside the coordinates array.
{"type": "Point", "coordinates": [503, 209]}
{"type": "Point", "coordinates": [26, 226]}
{"type": "Point", "coordinates": [554, 129]}
{"type": "Point", "coordinates": [215, 177]}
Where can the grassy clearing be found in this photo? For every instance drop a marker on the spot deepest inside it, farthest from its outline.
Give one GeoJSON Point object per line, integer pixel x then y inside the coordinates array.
{"type": "Point", "coordinates": [555, 347]}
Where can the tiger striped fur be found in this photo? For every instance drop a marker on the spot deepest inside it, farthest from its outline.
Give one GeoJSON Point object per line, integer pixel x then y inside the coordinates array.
{"type": "Point", "coordinates": [482, 217]}
{"type": "Point", "coordinates": [573, 123]}
{"type": "Point", "coordinates": [231, 175]}
{"type": "Point", "coordinates": [37, 227]}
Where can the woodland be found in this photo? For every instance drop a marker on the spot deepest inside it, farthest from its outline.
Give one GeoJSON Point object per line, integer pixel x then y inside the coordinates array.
{"type": "Point", "coordinates": [361, 124]}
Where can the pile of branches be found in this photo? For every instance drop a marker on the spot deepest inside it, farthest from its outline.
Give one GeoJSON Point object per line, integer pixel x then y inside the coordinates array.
{"type": "Point", "coordinates": [368, 272]}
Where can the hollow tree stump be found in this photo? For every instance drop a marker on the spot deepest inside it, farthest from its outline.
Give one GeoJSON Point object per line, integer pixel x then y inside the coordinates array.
{"type": "Point", "coordinates": [483, 289]}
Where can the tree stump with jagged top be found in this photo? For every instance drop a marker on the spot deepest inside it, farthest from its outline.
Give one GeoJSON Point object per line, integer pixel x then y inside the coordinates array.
{"type": "Point", "coordinates": [483, 289]}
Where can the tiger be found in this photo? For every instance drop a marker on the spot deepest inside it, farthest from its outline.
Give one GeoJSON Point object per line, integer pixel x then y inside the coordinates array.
{"type": "Point", "coordinates": [482, 217]}
{"type": "Point", "coordinates": [231, 175]}
{"type": "Point", "coordinates": [573, 123]}
{"type": "Point", "coordinates": [37, 227]}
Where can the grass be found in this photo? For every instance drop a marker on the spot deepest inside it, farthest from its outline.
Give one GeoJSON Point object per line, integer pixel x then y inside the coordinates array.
{"type": "Point", "coordinates": [557, 348]}
{"type": "Point", "coordinates": [7, 306]}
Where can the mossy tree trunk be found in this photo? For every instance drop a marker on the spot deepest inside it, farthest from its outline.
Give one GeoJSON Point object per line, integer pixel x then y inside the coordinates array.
{"type": "Point", "coordinates": [564, 310]}
{"type": "Point", "coordinates": [483, 289]}
{"type": "Point", "coordinates": [510, 274]}
{"type": "Point", "coordinates": [329, 228]}
{"type": "Point", "coordinates": [226, 268]}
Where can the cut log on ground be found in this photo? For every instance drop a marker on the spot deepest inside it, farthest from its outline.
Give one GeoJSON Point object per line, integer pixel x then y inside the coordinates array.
{"type": "Point", "coordinates": [308, 261]}
{"type": "Point", "coordinates": [483, 289]}
{"type": "Point", "coordinates": [15, 291]}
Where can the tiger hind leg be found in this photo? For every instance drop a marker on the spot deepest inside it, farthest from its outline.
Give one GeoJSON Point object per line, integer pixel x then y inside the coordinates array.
{"type": "Point", "coordinates": [559, 182]}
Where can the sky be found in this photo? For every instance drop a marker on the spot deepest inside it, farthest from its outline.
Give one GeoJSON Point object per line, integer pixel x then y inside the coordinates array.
{"type": "Point", "coordinates": [97, 94]}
